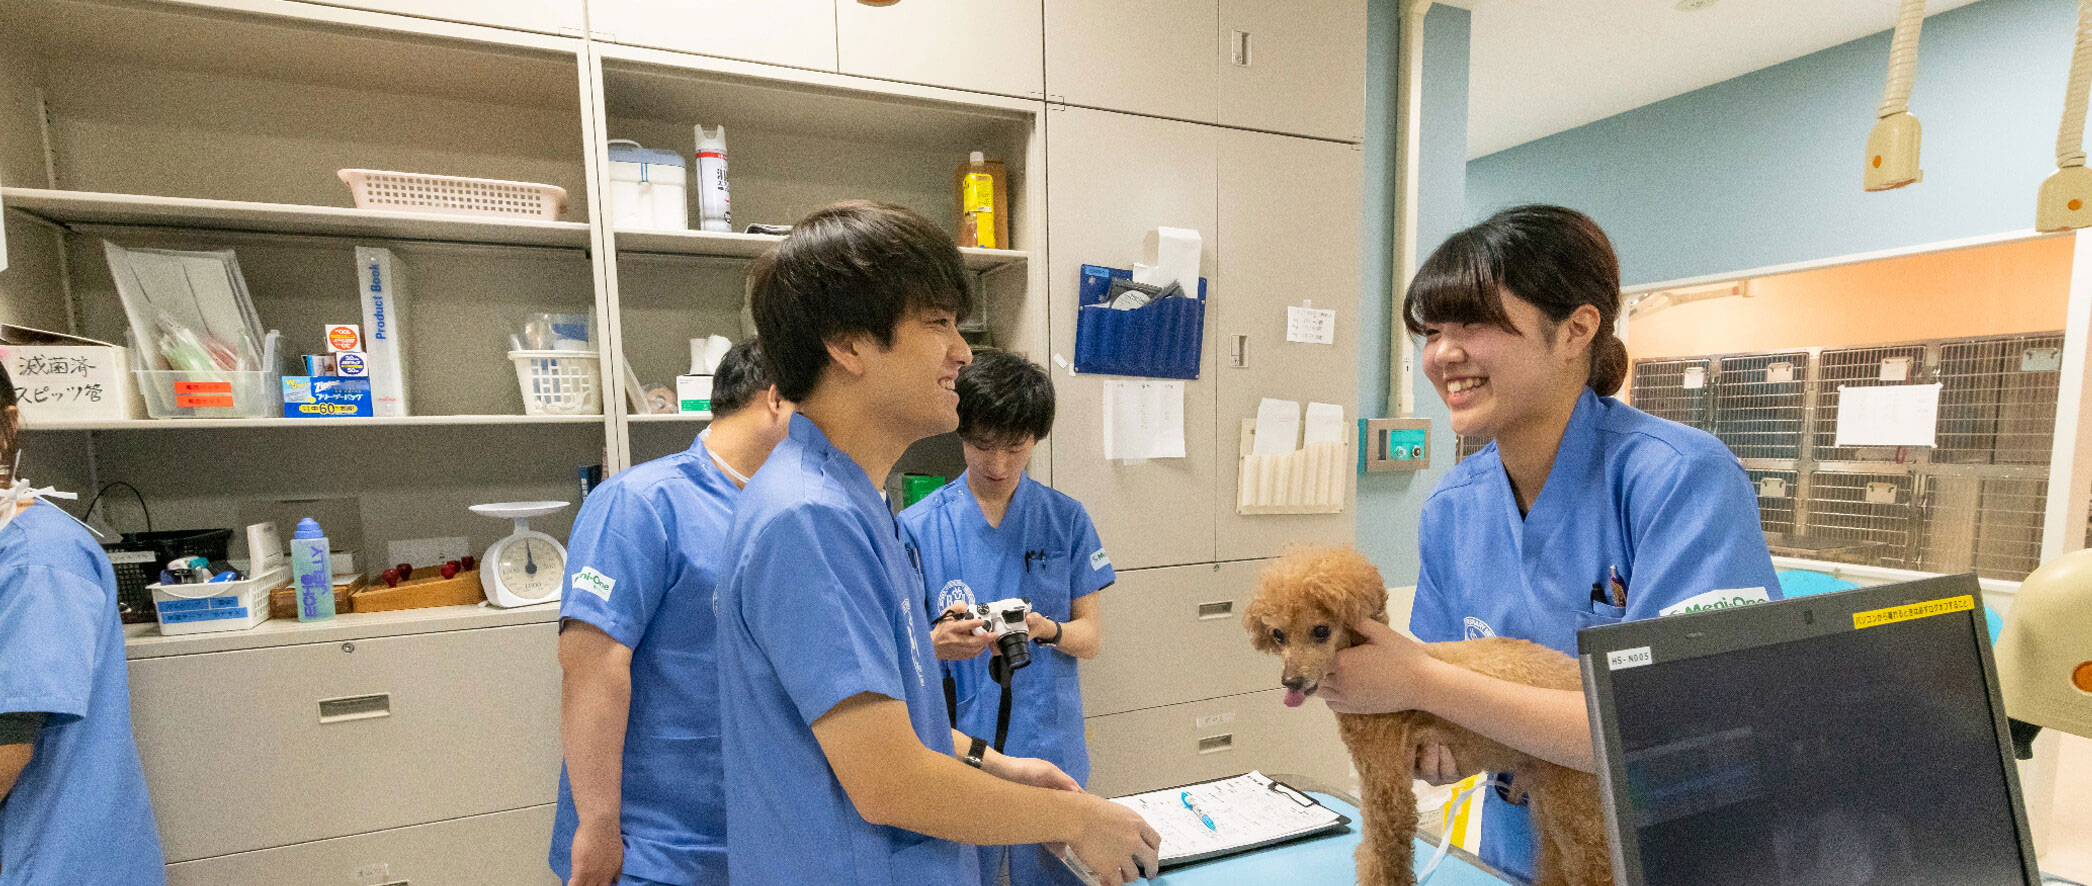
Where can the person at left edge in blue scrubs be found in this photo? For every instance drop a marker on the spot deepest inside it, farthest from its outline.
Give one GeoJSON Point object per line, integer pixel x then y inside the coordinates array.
{"type": "Point", "coordinates": [1581, 511]}
{"type": "Point", "coordinates": [73, 806]}
{"type": "Point", "coordinates": [641, 799]}
{"type": "Point", "coordinates": [993, 534]}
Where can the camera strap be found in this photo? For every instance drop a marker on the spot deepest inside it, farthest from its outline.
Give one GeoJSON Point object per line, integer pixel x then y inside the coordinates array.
{"type": "Point", "coordinates": [1002, 675]}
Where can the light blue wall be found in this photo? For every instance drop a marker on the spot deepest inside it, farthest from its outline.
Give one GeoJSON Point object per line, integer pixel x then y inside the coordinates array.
{"type": "Point", "coordinates": [1764, 169]}
{"type": "Point", "coordinates": [1388, 504]}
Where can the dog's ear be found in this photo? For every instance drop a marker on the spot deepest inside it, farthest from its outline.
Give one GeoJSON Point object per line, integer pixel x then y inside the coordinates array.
{"type": "Point", "coordinates": [1253, 622]}
{"type": "Point", "coordinates": [1347, 585]}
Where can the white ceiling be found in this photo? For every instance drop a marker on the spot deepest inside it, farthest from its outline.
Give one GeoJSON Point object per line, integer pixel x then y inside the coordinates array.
{"type": "Point", "coordinates": [1538, 67]}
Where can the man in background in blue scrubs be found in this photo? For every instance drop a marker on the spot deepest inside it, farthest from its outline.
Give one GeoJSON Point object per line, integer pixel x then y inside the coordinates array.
{"type": "Point", "coordinates": [995, 534]}
{"type": "Point", "coordinates": [72, 794]}
{"type": "Point", "coordinates": [639, 713]}
{"type": "Point", "coordinates": [841, 761]}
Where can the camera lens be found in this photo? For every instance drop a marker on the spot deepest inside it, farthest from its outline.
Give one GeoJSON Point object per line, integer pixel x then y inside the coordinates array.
{"type": "Point", "coordinates": [1015, 654]}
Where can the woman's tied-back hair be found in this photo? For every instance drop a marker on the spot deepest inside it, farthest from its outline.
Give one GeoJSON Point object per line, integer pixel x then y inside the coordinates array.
{"type": "Point", "coordinates": [1556, 258]}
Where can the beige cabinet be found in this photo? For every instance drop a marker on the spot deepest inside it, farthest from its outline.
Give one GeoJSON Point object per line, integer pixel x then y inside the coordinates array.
{"type": "Point", "coordinates": [981, 45]}
{"type": "Point", "coordinates": [1288, 236]}
{"type": "Point", "coordinates": [794, 33]}
{"type": "Point", "coordinates": [547, 16]}
{"type": "Point", "coordinates": [270, 747]}
{"type": "Point", "coordinates": [1175, 635]}
{"type": "Point", "coordinates": [1294, 67]}
{"type": "Point", "coordinates": [1154, 57]}
{"type": "Point", "coordinates": [500, 849]}
{"type": "Point", "coordinates": [1177, 744]}
{"type": "Point", "coordinates": [1113, 178]}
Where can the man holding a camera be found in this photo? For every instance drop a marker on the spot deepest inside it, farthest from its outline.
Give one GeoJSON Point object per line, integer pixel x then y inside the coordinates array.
{"type": "Point", "coordinates": [997, 535]}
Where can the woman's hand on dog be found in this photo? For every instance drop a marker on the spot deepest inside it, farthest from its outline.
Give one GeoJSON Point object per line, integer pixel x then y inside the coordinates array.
{"type": "Point", "coordinates": [1386, 672]}
{"type": "Point", "coordinates": [955, 640]}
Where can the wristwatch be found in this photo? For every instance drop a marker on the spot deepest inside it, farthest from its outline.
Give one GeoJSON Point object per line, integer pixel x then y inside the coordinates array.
{"type": "Point", "coordinates": [976, 751]}
{"type": "Point", "coordinates": [1056, 639]}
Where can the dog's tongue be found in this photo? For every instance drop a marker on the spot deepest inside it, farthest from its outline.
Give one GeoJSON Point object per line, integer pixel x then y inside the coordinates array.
{"type": "Point", "coordinates": [1295, 697]}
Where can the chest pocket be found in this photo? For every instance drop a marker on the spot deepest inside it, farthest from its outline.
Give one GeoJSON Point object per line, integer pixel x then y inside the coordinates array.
{"type": "Point", "coordinates": [1046, 583]}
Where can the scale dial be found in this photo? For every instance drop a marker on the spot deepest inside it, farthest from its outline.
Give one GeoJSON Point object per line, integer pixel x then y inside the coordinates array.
{"type": "Point", "coordinates": [530, 566]}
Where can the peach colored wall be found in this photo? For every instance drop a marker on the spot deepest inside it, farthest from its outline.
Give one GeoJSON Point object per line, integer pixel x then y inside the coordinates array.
{"type": "Point", "coordinates": [2011, 287]}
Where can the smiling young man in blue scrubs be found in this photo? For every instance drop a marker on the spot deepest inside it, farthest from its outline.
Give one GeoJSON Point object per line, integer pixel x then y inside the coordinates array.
{"type": "Point", "coordinates": [994, 534]}
{"type": "Point", "coordinates": [73, 807]}
{"type": "Point", "coordinates": [1583, 510]}
{"type": "Point", "coordinates": [841, 763]}
{"type": "Point", "coordinates": [641, 789]}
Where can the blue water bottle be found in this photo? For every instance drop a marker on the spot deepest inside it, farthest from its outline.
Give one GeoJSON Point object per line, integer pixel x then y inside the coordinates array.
{"type": "Point", "coordinates": [312, 572]}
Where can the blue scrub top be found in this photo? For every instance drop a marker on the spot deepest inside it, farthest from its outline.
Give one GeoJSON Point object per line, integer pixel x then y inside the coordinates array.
{"type": "Point", "coordinates": [822, 603]}
{"type": "Point", "coordinates": [643, 564]}
{"type": "Point", "coordinates": [1046, 550]}
{"type": "Point", "coordinates": [1665, 506]}
{"type": "Point", "coordinates": [79, 813]}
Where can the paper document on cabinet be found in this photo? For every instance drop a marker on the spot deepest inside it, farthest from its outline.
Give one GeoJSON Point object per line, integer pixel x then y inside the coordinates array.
{"type": "Point", "coordinates": [1888, 415]}
{"type": "Point", "coordinates": [1143, 419]}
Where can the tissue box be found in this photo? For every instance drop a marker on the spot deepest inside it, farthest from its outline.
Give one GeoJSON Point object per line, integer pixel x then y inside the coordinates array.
{"type": "Point", "coordinates": [326, 396]}
{"type": "Point", "coordinates": [60, 377]}
{"type": "Point", "coordinates": [694, 394]}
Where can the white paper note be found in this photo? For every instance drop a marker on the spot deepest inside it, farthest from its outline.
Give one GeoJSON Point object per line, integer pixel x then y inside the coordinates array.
{"type": "Point", "coordinates": [1172, 255]}
{"type": "Point", "coordinates": [1778, 372]}
{"type": "Point", "coordinates": [1143, 419]}
{"type": "Point", "coordinates": [1315, 326]}
{"type": "Point", "coordinates": [1695, 377]}
{"type": "Point", "coordinates": [1889, 415]}
{"type": "Point", "coordinates": [1278, 427]}
{"type": "Point", "coordinates": [1895, 369]}
{"type": "Point", "coordinates": [1325, 424]}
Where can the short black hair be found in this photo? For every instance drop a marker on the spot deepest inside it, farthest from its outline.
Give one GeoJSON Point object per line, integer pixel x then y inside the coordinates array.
{"type": "Point", "coordinates": [1553, 257]}
{"type": "Point", "coordinates": [1003, 398]}
{"type": "Point", "coordinates": [853, 268]}
{"type": "Point", "coordinates": [740, 378]}
{"type": "Point", "coordinates": [9, 432]}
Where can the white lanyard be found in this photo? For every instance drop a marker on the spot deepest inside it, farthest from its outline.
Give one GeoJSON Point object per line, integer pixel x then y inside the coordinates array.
{"type": "Point", "coordinates": [705, 436]}
{"type": "Point", "coordinates": [11, 500]}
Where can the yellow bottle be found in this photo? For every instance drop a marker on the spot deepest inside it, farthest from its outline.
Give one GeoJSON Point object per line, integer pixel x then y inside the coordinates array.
{"type": "Point", "coordinates": [977, 204]}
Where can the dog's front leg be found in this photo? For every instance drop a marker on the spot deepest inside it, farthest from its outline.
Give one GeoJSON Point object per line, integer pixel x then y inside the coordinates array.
{"type": "Point", "coordinates": [1386, 763]}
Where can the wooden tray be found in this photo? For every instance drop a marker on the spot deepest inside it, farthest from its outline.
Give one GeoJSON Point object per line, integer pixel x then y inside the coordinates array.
{"type": "Point", "coordinates": [283, 601]}
{"type": "Point", "coordinates": [426, 588]}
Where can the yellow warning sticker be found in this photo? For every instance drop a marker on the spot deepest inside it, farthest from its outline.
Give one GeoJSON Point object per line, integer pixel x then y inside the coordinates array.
{"type": "Point", "coordinates": [1875, 618]}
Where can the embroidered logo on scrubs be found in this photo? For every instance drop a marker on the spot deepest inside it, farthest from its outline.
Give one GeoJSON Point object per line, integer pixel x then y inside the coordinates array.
{"type": "Point", "coordinates": [594, 582]}
{"type": "Point", "coordinates": [1098, 560]}
{"type": "Point", "coordinates": [954, 591]}
{"type": "Point", "coordinates": [914, 651]}
{"type": "Point", "coordinates": [1477, 628]}
{"type": "Point", "coordinates": [1726, 599]}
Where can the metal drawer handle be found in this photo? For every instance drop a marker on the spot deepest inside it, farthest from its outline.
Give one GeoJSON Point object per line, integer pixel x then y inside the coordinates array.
{"type": "Point", "coordinates": [1214, 744]}
{"type": "Point", "coordinates": [1217, 609]}
{"type": "Point", "coordinates": [1240, 53]}
{"type": "Point", "coordinates": [355, 707]}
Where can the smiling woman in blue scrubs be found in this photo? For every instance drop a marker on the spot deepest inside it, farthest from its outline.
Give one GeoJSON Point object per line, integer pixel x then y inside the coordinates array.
{"type": "Point", "coordinates": [640, 795]}
{"type": "Point", "coordinates": [1583, 510]}
{"type": "Point", "coordinates": [993, 534]}
{"type": "Point", "coordinates": [72, 796]}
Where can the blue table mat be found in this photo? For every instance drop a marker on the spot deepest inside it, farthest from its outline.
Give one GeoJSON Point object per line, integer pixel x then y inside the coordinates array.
{"type": "Point", "coordinates": [1315, 862]}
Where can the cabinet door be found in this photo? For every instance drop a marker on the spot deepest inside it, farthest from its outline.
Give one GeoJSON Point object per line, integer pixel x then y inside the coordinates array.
{"type": "Point", "coordinates": [1112, 179]}
{"type": "Point", "coordinates": [1289, 214]}
{"type": "Point", "coordinates": [1153, 57]}
{"type": "Point", "coordinates": [982, 45]}
{"type": "Point", "coordinates": [548, 16]}
{"type": "Point", "coordinates": [1156, 748]}
{"type": "Point", "coordinates": [269, 747]}
{"type": "Point", "coordinates": [794, 33]}
{"type": "Point", "coordinates": [1176, 635]}
{"type": "Point", "coordinates": [1303, 71]}
{"type": "Point", "coordinates": [500, 849]}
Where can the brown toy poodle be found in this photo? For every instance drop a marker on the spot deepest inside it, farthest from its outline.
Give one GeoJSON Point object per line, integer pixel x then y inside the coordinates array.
{"type": "Point", "coordinates": [1304, 602]}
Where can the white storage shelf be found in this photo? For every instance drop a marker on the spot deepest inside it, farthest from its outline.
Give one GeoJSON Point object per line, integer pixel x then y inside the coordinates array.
{"type": "Point", "coordinates": [721, 245]}
{"type": "Point", "coordinates": [87, 212]}
{"type": "Point", "coordinates": [197, 424]}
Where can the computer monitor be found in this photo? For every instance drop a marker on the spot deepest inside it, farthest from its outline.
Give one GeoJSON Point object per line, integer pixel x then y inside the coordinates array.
{"type": "Point", "coordinates": [1844, 739]}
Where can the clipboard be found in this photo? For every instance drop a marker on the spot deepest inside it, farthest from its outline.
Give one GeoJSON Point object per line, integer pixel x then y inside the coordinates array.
{"type": "Point", "coordinates": [1252, 811]}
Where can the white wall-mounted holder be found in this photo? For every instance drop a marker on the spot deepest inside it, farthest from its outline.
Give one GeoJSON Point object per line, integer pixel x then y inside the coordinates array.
{"type": "Point", "coordinates": [1313, 479]}
{"type": "Point", "coordinates": [1892, 147]}
{"type": "Point", "coordinates": [2065, 199]}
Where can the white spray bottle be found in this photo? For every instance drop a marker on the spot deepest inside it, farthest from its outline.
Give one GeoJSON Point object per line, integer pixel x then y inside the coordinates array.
{"type": "Point", "coordinates": [713, 207]}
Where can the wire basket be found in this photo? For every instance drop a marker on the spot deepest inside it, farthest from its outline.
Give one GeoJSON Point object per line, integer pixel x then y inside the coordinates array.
{"type": "Point", "coordinates": [453, 195]}
{"type": "Point", "coordinates": [559, 382]}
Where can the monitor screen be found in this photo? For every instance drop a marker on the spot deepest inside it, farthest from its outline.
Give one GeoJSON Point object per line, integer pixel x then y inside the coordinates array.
{"type": "Point", "coordinates": [1850, 759]}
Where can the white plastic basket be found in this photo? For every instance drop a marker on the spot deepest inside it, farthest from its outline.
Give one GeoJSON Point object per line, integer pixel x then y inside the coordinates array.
{"type": "Point", "coordinates": [453, 195]}
{"type": "Point", "coordinates": [559, 382]}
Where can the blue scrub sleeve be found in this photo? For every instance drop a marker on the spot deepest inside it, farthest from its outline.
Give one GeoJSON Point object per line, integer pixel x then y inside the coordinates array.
{"type": "Point", "coordinates": [1429, 619]}
{"type": "Point", "coordinates": [617, 564]}
{"type": "Point", "coordinates": [814, 597]}
{"type": "Point", "coordinates": [1701, 533]}
{"type": "Point", "coordinates": [48, 626]}
{"type": "Point", "coordinates": [1092, 572]}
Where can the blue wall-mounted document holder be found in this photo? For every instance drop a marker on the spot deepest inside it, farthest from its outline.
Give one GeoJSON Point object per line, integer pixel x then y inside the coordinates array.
{"type": "Point", "coordinates": [1161, 339]}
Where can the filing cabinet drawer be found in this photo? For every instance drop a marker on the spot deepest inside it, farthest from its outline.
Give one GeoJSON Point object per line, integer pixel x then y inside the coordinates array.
{"type": "Point", "coordinates": [502, 849]}
{"type": "Point", "coordinates": [1175, 634]}
{"type": "Point", "coordinates": [270, 747]}
{"type": "Point", "coordinates": [1179, 744]}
